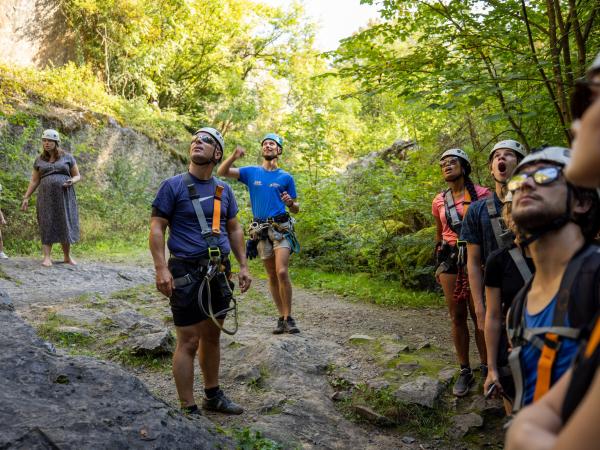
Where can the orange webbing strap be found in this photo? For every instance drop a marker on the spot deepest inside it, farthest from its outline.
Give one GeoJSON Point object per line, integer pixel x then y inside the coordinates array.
{"type": "Point", "coordinates": [594, 340]}
{"type": "Point", "coordinates": [466, 202]}
{"type": "Point", "coordinates": [216, 221]}
{"type": "Point", "coordinates": [545, 363]}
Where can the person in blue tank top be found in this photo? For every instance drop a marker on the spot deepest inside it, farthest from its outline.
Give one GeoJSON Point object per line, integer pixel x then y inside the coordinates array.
{"type": "Point", "coordinates": [272, 190]}
{"type": "Point", "coordinates": [557, 222]}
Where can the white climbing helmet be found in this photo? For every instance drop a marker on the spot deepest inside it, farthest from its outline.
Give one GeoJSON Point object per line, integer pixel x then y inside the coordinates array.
{"type": "Point", "coordinates": [51, 134]}
{"type": "Point", "coordinates": [215, 134]}
{"type": "Point", "coordinates": [557, 155]}
{"type": "Point", "coordinates": [456, 152]}
{"type": "Point", "coordinates": [509, 144]}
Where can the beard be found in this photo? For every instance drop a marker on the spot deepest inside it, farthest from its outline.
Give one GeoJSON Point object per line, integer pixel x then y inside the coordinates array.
{"type": "Point", "coordinates": [529, 220]}
{"type": "Point", "coordinates": [200, 160]}
{"type": "Point", "coordinates": [270, 157]}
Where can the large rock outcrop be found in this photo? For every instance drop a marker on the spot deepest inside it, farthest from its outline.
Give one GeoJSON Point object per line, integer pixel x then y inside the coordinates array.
{"type": "Point", "coordinates": [33, 33]}
{"type": "Point", "coordinates": [51, 401]}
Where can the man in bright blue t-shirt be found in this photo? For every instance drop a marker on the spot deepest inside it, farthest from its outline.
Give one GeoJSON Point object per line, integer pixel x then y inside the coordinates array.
{"type": "Point", "coordinates": [271, 191]}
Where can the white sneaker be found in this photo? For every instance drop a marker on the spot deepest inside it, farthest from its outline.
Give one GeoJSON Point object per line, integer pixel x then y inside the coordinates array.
{"type": "Point", "coordinates": [3, 255]}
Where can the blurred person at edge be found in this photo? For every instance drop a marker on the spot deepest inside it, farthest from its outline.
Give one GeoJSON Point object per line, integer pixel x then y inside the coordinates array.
{"type": "Point", "coordinates": [566, 416]}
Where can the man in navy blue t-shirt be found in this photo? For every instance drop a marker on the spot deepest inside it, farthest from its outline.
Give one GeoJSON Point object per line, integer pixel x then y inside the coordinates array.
{"type": "Point", "coordinates": [271, 190]}
{"type": "Point", "coordinates": [477, 229]}
{"type": "Point", "coordinates": [179, 279]}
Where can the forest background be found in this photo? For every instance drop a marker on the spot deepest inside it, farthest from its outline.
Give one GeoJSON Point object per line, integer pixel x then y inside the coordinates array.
{"type": "Point", "coordinates": [439, 74]}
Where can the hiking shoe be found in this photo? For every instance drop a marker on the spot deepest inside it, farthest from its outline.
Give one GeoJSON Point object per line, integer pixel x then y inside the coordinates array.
{"type": "Point", "coordinates": [291, 326]}
{"type": "Point", "coordinates": [220, 403]}
{"type": "Point", "coordinates": [463, 383]}
{"type": "Point", "coordinates": [483, 368]}
{"type": "Point", "coordinates": [3, 255]}
{"type": "Point", "coordinates": [193, 411]}
{"type": "Point", "coordinates": [280, 328]}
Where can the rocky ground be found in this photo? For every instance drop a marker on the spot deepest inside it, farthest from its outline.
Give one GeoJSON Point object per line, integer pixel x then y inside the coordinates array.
{"type": "Point", "coordinates": [358, 376]}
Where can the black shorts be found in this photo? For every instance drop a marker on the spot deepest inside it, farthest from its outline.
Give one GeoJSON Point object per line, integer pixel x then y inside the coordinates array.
{"type": "Point", "coordinates": [184, 299]}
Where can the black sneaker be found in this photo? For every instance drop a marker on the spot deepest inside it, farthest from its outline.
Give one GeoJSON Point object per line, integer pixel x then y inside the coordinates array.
{"type": "Point", "coordinates": [220, 403]}
{"type": "Point", "coordinates": [483, 368]}
{"type": "Point", "coordinates": [463, 383]}
{"type": "Point", "coordinates": [280, 328]}
{"type": "Point", "coordinates": [291, 326]}
{"type": "Point", "coordinates": [192, 411]}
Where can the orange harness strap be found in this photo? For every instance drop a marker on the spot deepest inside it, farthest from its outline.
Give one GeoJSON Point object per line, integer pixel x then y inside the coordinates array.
{"type": "Point", "coordinates": [545, 363]}
{"type": "Point", "coordinates": [466, 202]}
{"type": "Point", "coordinates": [216, 221]}
{"type": "Point", "coordinates": [594, 340]}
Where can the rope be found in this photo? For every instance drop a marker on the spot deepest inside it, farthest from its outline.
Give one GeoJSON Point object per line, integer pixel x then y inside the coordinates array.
{"type": "Point", "coordinates": [210, 273]}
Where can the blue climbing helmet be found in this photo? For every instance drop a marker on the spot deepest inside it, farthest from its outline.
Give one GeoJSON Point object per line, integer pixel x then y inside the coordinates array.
{"type": "Point", "coordinates": [274, 137]}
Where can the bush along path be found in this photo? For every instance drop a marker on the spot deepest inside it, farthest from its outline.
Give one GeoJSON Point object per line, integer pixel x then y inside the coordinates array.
{"type": "Point", "coordinates": [358, 375]}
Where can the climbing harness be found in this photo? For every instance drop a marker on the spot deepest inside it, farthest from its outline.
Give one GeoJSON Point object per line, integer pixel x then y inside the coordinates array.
{"type": "Point", "coordinates": [261, 230]}
{"type": "Point", "coordinates": [214, 266]}
{"type": "Point", "coordinates": [455, 222]}
{"type": "Point", "coordinates": [549, 339]}
{"type": "Point", "coordinates": [462, 291]}
{"type": "Point", "coordinates": [505, 239]}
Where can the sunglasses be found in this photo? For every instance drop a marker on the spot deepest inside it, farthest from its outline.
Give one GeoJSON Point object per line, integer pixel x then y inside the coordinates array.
{"type": "Point", "coordinates": [448, 162]}
{"type": "Point", "coordinates": [542, 177]}
{"type": "Point", "coordinates": [205, 139]}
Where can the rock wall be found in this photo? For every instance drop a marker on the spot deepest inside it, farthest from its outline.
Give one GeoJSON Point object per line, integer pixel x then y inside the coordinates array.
{"type": "Point", "coordinates": [33, 33]}
{"type": "Point", "coordinates": [60, 402]}
{"type": "Point", "coordinates": [98, 143]}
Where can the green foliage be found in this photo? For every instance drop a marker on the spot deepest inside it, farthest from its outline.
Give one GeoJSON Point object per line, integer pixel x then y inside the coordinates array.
{"type": "Point", "coordinates": [248, 439]}
{"type": "Point", "coordinates": [364, 286]}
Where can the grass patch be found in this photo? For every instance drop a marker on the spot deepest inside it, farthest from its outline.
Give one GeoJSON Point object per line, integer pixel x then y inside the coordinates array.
{"type": "Point", "coordinates": [153, 363]}
{"type": "Point", "coordinates": [364, 286]}
{"type": "Point", "coordinates": [425, 422]}
{"type": "Point", "coordinates": [249, 439]}
{"type": "Point", "coordinates": [49, 331]}
{"type": "Point", "coordinates": [258, 384]}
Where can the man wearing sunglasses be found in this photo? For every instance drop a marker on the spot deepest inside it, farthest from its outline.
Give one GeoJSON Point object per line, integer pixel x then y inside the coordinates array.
{"type": "Point", "coordinates": [483, 230]}
{"type": "Point", "coordinates": [191, 248]}
{"type": "Point", "coordinates": [271, 191]}
{"type": "Point", "coordinates": [557, 222]}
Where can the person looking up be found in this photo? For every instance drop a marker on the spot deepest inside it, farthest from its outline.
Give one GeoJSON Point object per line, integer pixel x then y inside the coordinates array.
{"type": "Point", "coordinates": [55, 173]}
{"type": "Point", "coordinates": [192, 250]}
{"type": "Point", "coordinates": [566, 417]}
{"type": "Point", "coordinates": [448, 208]}
{"type": "Point", "coordinates": [483, 229]}
{"type": "Point", "coordinates": [557, 221]}
{"type": "Point", "coordinates": [271, 190]}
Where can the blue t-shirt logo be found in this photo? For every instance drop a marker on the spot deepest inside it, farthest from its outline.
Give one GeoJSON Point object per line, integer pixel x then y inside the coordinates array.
{"type": "Point", "coordinates": [266, 187]}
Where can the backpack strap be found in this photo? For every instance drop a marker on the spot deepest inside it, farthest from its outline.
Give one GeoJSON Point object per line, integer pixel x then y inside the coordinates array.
{"type": "Point", "coordinates": [519, 260]}
{"type": "Point", "coordinates": [546, 339]}
{"type": "Point", "coordinates": [553, 335]}
{"type": "Point", "coordinates": [594, 339]}
{"type": "Point", "coordinates": [209, 234]}
{"type": "Point", "coordinates": [504, 237]}
{"type": "Point", "coordinates": [455, 222]}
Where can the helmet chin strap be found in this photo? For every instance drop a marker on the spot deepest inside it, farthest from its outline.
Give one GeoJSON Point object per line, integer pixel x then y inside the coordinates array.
{"type": "Point", "coordinates": [211, 160]}
{"type": "Point", "coordinates": [556, 224]}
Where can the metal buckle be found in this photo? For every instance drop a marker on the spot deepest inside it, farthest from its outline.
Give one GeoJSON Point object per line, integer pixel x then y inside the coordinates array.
{"type": "Point", "coordinates": [214, 253]}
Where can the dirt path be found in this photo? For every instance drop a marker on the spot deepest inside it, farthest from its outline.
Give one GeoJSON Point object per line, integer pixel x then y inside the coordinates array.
{"type": "Point", "coordinates": [285, 383]}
